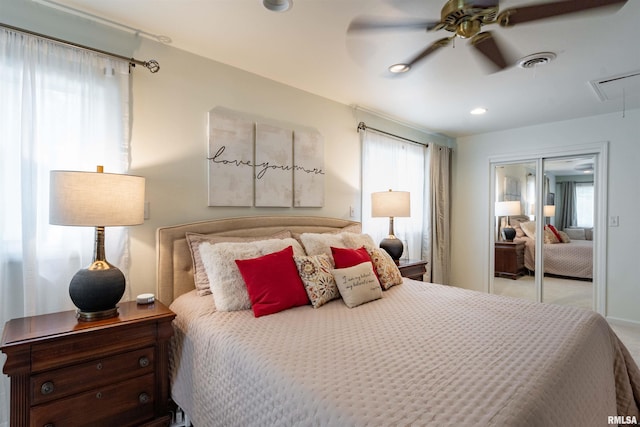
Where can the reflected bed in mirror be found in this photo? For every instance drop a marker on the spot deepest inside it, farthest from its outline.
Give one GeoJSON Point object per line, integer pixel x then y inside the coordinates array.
{"type": "Point", "coordinates": [565, 257]}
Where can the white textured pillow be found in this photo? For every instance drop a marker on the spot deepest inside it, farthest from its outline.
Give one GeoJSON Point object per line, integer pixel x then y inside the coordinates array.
{"type": "Point", "coordinates": [357, 284]}
{"type": "Point", "coordinates": [321, 243]}
{"type": "Point", "coordinates": [357, 240]}
{"type": "Point", "coordinates": [225, 281]}
{"type": "Point", "coordinates": [199, 273]}
{"type": "Point", "coordinates": [529, 228]}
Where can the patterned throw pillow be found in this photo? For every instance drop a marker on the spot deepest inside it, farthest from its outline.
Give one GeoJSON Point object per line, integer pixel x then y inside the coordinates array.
{"type": "Point", "coordinates": [315, 272]}
{"type": "Point", "coordinates": [565, 237]}
{"type": "Point", "coordinates": [386, 268]}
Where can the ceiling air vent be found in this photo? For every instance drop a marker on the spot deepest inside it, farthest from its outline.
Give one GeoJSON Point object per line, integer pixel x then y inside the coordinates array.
{"type": "Point", "coordinates": [535, 60]}
{"type": "Point", "coordinates": [617, 87]}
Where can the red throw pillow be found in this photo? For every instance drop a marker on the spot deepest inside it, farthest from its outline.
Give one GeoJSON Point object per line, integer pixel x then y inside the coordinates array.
{"type": "Point", "coordinates": [344, 258]}
{"type": "Point", "coordinates": [273, 283]}
{"type": "Point", "coordinates": [555, 232]}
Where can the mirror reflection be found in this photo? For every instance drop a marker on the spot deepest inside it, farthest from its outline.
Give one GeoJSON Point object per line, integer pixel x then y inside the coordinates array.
{"type": "Point", "coordinates": [566, 240]}
{"type": "Point", "coordinates": [568, 231]}
{"type": "Point", "coordinates": [514, 204]}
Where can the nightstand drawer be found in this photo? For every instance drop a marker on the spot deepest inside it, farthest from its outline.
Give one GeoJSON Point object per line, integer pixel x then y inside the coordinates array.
{"type": "Point", "coordinates": [130, 402]}
{"type": "Point", "coordinates": [74, 379]}
{"type": "Point", "coordinates": [73, 349]}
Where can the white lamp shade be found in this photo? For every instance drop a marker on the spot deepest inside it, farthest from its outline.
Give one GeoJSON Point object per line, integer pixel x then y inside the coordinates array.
{"type": "Point", "coordinates": [95, 199]}
{"type": "Point", "coordinates": [507, 208]}
{"type": "Point", "coordinates": [549, 210]}
{"type": "Point", "coordinates": [390, 204]}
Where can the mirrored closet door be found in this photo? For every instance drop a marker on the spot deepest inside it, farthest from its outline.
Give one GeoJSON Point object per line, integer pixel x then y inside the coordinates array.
{"type": "Point", "coordinates": [568, 215]}
{"type": "Point", "coordinates": [514, 203]}
{"type": "Point", "coordinates": [547, 234]}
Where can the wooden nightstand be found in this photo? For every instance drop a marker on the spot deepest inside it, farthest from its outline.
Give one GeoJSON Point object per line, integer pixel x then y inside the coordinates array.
{"type": "Point", "coordinates": [414, 269]}
{"type": "Point", "coordinates": [111, 372]}
{"type": "Point", "coordinates": [509, 259]}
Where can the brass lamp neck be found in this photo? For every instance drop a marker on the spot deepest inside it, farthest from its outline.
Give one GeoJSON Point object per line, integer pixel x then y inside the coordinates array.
{"type": "Point", "coordinates": [99, 256]}
{"type": "Point", "coordinates": [391, 232]}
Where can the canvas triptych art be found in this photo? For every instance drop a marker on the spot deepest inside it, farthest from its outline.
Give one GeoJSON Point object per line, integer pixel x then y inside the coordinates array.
{"type": "Point", "coordinates": [263, 165]}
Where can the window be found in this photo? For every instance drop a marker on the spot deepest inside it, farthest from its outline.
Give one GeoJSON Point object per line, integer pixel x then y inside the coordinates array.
{"type": "Point", "coordinates": [584, 204]}
{"type": "Point", "coordinates": [391, 163]}
{"type": "Point", "coordinates": [62, 108]}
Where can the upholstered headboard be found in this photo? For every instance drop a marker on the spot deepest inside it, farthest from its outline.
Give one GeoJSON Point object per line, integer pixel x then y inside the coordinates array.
{"type": "Point", "coordinates": [174, 264]}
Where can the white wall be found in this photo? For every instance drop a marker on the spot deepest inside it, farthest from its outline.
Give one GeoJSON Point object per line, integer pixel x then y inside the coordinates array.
{"type": "Point", "coordinates": [471, 198]}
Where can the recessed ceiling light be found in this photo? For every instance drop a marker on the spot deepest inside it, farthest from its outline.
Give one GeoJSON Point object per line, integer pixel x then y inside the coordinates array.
{"type": "Point", "coordinates": [399, 68]}
{"type": "Point", "coordinates": [278, 5]}
{"type": "Point", "coordinates": [478, 111]}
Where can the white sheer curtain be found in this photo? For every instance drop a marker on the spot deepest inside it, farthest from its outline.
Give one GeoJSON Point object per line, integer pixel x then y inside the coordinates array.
{"type": "Point", "coordinates": [392, 163]}
{"type": "Point", "coordinates": [61, 108]}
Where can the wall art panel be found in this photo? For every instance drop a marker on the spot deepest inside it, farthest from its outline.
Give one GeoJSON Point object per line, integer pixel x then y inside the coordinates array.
{"type": "Point", "coordinates": [273, 166]}
{"type": "Point", "coordinates": [231, 145]}
{"type": "Point", "coordinates": [308, 171]}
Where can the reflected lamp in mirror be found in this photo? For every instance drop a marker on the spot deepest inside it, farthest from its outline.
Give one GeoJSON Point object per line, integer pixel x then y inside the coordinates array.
{"type": "Point", "coordinates": [549, 211]}
{"type": "Point", "coordinates": [391, 204]}
{"type": "Point", "coordinates": [96, 199]}
{"type": "Point", "coordinates": [508, 209]}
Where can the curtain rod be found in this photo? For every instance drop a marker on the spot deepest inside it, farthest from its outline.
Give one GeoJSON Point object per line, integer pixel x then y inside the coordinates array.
{"type": "Point", "coordinates": [363, 126]}
{"type": "Point", "coordinates": [152, 65]}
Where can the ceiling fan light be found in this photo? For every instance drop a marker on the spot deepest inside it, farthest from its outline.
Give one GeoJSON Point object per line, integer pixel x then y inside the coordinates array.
{"type": "Point", "coordinates": [586, 168]}
{"type": "Point", "coordinates": [277, 5]}
{"type": "Point", "coordinates": [399, 68]}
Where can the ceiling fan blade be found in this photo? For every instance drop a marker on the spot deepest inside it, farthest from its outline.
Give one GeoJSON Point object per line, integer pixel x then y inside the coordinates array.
{"type": "Point", "coordinates": [534, 12]}
{"type": "Point", "coordinates": [429, 50]}
{"type": "Point", "coordinates": [377, 24]}
{"type": "Point", "coordinates": [486, 44]}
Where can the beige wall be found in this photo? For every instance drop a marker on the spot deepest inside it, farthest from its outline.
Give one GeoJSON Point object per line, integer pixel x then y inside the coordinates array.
{"type": "Point", "coordinates": [169, 142]}
{"type": "Point", "coordinates": [471, 209]}
{"type": "Point", "coordinates": [169, 128]}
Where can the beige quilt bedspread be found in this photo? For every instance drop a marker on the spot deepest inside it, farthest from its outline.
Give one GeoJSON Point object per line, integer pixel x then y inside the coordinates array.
{"type": "Point", "coordinates": [574, 259]}
{"type": "Point", "coordinates": [424, 354]}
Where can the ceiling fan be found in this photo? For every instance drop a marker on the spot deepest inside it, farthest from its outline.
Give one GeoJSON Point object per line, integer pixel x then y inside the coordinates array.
{"type": "Point", "coordinates": [466, 19]}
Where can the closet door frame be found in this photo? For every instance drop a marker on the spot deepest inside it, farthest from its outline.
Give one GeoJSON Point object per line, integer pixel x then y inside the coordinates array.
{"type": "Point", "coordinates": [601, 152]}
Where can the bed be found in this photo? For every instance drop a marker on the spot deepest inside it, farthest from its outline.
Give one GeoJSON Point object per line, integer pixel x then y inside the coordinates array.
{"type": "Point", "coordinates": [423, 354]}
{"type": "Point", "coordinates": [570, 258]}
{"type": "Point", "coordinates": [573, 259]}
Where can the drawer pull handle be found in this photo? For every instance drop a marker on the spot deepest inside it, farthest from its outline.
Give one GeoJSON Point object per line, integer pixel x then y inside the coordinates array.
{"type": "Point", "coordinates": [99, 366]}
{"type": "Point", "coordinates": [143, 361]}
{"type": "Point", "coordinates": [99, 395]}
{"type": "Point", "coordinates": [49, 425]}
{"type": "Point", "coordinates": [47, 388]}
{"type": "Point", "coordinates": [143, 398]}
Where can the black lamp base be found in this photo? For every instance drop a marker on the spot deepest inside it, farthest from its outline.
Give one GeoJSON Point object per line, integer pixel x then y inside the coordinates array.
{"type": "Point", "coordinates": [97, 291]}
{"type": "Point", "coordinates": [508, 234]}
{"type": "Point", "coordinates": [393, 246]}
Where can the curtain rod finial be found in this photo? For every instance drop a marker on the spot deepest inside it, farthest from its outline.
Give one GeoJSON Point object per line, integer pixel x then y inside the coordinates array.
{"type": "Point", "coordinates": [152, 65]}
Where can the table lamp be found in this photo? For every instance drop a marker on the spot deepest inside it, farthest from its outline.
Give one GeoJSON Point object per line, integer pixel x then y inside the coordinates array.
{"type": "Point", "coordinates": [391, 204]}
{"type": "Point", "coordinates": [507, 209]}
{"type": "Point", "coordinates": [96, 199]}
